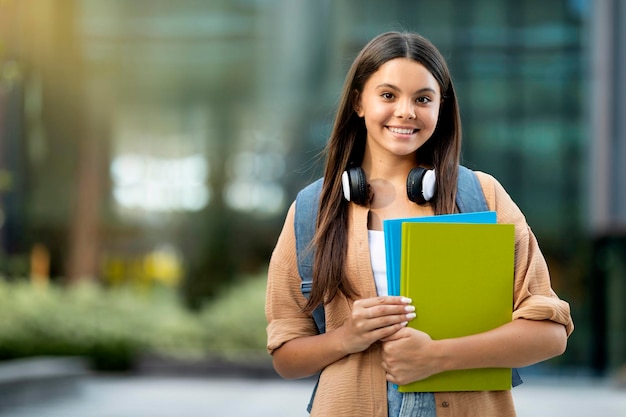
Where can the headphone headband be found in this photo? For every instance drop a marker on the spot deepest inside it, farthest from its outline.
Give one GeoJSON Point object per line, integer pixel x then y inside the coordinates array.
{"type": "Point", "coordinates": [420, 185]}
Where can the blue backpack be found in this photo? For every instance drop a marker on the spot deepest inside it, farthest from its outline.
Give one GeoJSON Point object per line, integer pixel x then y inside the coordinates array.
{"type": "Point", "coordinates": [469, 198]}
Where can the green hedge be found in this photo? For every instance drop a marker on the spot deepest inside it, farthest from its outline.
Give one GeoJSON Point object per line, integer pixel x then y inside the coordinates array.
{"type": "Point", "coordinates": [235, 322]}
{"type": "Point", "coordinates": [113, 326]}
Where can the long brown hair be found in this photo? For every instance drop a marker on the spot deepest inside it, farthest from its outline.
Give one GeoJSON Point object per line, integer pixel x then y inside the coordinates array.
{"type": "Point", "coordinates": [346, 147]}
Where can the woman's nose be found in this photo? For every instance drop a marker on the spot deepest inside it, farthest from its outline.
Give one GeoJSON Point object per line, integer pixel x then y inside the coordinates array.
{"type": "Point", "coordinates": [405, 109]}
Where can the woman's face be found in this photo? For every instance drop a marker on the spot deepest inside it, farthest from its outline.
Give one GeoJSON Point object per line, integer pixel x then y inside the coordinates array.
{"type": "Point", "coordinates": [400, 105]}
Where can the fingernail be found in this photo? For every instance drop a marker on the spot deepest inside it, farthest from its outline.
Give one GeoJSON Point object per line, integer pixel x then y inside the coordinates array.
{"type": "Point", "coordinates": [406, 300]}
{"type": "Point", "coordinates": [408, 309]}
{"type": "Point", "coordinates": [411, 316]}
{"type": "Point", "coordinates": [404, 323]}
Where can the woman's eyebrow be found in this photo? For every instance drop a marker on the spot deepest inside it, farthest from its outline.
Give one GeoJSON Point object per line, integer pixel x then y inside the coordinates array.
{"type": "Point", "coordinates": [393, 87]}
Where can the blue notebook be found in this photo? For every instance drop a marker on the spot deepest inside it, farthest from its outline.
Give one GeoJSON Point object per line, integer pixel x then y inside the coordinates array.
{"type": "Point", "coordinates": [393, 239]}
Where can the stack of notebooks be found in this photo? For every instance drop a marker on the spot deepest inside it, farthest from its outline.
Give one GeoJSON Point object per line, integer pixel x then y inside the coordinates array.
{"type": "Point", "coordinates": [458, 270]}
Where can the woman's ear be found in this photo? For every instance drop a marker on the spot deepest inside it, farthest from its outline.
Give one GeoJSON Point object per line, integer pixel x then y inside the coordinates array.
{"type": "Point", "coordinates": [356, 103]}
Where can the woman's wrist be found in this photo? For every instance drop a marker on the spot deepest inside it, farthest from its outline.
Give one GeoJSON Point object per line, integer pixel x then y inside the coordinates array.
{"type": "Point", "coordinates": [443, 359]}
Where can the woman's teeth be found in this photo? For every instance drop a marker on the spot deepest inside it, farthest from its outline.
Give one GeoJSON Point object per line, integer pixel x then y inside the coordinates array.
{"type": "Point", "coordinates": [401, 131]}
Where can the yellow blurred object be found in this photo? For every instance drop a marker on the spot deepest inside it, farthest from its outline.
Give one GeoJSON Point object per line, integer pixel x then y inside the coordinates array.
{"type": "Point", "coordinates": [160, 266]}
{"type": "Point", "coordinates": [163, 266]}
{"type": "Point", "coordinates": [40, 265]}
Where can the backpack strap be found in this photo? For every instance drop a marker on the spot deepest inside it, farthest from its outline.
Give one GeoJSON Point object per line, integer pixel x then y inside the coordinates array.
{"type": "Point", "coordinates": [307, 202]}
{"type": "Point", "coordinates": [470, 197]}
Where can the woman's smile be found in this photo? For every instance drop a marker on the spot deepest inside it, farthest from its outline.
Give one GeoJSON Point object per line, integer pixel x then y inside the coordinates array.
{"type": "Point", "coordinates": [404, 131]}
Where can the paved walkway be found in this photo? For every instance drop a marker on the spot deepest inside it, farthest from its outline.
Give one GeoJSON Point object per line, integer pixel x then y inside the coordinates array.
{"type": "Point", "coordinates": [102, 396]}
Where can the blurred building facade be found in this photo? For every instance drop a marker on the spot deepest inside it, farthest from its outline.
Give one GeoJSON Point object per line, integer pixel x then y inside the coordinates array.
{"type": "Point", "coordinates": [135, 129]}
{"type": "Point", "coordinates": [606, 197]}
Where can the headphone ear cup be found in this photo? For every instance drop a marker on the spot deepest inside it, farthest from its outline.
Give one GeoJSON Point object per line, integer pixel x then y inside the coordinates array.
{"type": "Point", "coordinates": [420, 185]}
{"type": "Point", "coordinates": [355, 186]}
{"type": "Point", "coordinates": [414, 185]}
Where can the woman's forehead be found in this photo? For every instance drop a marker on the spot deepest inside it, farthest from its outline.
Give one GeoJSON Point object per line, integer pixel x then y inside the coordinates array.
{"type": "Point", "coordinates": [404, 74]}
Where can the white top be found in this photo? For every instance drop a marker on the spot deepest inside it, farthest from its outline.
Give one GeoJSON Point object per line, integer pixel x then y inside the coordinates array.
{"type": "Point", "coordinates": [378, 259]}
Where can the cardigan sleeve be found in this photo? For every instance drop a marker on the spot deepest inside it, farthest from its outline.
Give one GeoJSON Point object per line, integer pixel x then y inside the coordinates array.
{"type": "Point", "coordinates": [533, 296]}
{"type": "Point", "coordinates": [283, 299]}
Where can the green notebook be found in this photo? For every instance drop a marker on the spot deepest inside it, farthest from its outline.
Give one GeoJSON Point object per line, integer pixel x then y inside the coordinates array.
{"type": "Point", "coordinates": [460, 277]}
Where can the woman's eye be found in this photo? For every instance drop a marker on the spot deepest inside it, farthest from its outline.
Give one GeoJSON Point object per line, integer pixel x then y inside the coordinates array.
{"type": "Point", "coordinates": [387, 96]}
{"type": "Point", "coordinates": [424, 100]}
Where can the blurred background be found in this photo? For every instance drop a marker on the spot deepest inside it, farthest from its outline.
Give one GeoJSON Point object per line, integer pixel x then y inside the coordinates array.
{"type": "Point", "coordinates": [149, 150]}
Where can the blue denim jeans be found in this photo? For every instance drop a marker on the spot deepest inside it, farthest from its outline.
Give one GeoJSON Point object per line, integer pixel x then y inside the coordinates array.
{"type": "Point", "coordinates": [410, 404]}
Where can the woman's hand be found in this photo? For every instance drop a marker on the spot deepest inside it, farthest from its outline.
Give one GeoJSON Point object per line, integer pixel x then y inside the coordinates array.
{"type": "Point", "coordinates": [409, 355]}
{"type": "Point", "coordinates": [373, 319]}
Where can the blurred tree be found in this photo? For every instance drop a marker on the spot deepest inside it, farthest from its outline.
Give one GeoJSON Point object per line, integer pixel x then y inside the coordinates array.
{"type": "Point", "coordinates": [65, 137]}
{"type": "Point", "coordinates": [93, 95]}
{"type": "Point", "coordinates": [13, 207]}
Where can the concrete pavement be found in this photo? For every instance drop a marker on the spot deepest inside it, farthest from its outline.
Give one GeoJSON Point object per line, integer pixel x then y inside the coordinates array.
{"type": "Point", "coordinates": [155, 396]}
{"type": "Point", "coordinates": [64, 387]}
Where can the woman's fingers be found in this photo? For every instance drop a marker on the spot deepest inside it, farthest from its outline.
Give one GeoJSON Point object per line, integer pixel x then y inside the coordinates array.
{"type": "Point", "coordinates": [383, 300]}
{"type": "Point", "coordinates": [387, 320]}
{"type": "Point", "coordinates": [383, 311]}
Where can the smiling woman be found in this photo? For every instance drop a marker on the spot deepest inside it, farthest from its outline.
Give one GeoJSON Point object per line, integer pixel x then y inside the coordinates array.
{"type": "Point", "coordinates": [398, 115]}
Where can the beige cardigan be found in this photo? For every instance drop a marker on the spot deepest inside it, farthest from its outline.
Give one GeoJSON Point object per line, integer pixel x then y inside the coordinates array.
{"type": "Point", "coordinates": [356, 385]}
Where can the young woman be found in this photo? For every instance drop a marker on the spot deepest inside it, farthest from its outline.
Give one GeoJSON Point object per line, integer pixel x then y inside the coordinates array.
{"type": "Point", "coordinates": [398, 111]}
